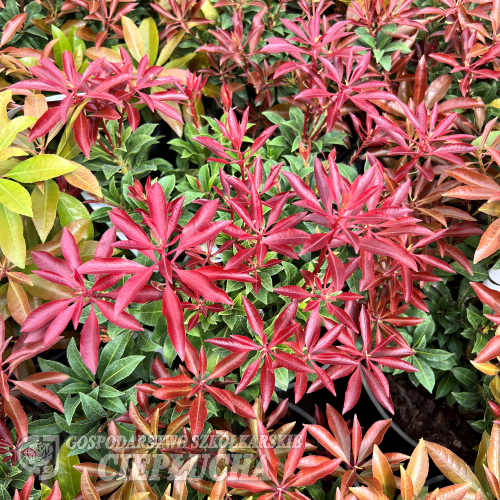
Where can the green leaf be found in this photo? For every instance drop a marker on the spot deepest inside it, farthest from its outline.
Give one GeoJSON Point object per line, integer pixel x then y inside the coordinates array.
{"type": "Point", "coordinates": [445, 385]}
{"type": "Point", "coordinates": [12, 241]}
{"type": "Point", "coordinates": [43, 427]}
{"type": "Point", "coordinates": [465, 377]}
{"type": "Point", "coordinates": [15, 197]}
{"type": "Point", "coordinates": [92, 409]}
{"type": "Point", "coordinates": [398, 46]}
{"type": "Point", "coordinates": [385, 62]}
{"type": "Point", "coordinates": [45, 208]}
{"type": "Point", "coordinates": [474, 317]}
{"type": "Point", "coordinates": [347, 171]}
{"type": "Point", "coordinates": [60, 47]}
{"type": "Point", "coordinates": [424, 330]}
{"type": "Point", "coordinates": [76, 362]}
{"type": "Point", "coordinates": [112, 352]}
{"type": "Point", "coordinates": [8, 132]}
{"type": "Point", "coordinates": [48, 365]}
{"type": "Point", "coordinates": [480, 272]}
{"type": "Point", "coordinates": [67, 476]}
{"type": "Point", "coordinates": [274, 118]}
{"type": "Point", "coordinates": [75, 388]}
{"type": "Point", "coordinates": [433, 356]}
{"type": "Point", "coordinates": [149, 313]}
{"type": "Point", "coordinates": [41, 168]}
{"type": "Point", "coordinates": [105, 391]}
{"type": "Point", "coordinates": [114, 404]}
{"type": "Point", "coordinates": [467, 399]}
{"type": "Point", "coordinates": [425, 375]}
{"type": "Point", "coordinates": [167, 182]}
{"type": "Point", "coordinates": [70, 406]}
{"type": "Point", "coordinates": [281, 378]}
{"type": "Point", "coordinates": [70, 209]}
{"type": "Point", "coordinates": [491, 138]}
{"type": "Point", "coordinates": [120, 369]}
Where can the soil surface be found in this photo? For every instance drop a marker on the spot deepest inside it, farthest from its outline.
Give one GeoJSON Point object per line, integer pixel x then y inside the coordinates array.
{"type": "Point", "coordinates": [421, 416]}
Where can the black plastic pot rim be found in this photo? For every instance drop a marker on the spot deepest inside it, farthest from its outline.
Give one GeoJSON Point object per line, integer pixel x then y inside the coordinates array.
{"type": "Point", "coordinates": [398, 429]}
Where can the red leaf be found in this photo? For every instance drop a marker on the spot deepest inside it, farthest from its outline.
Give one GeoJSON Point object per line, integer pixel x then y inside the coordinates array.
{"type": "Point", "coordinates": [197, 415]}
{"type": "Point", "coordinates": [246, 482]}
{"type": "Point", "coordinates": [489, 351]}
{"type": "Point", "coordinates": [90, 340]}
{"type": "Point", "coordinates": [380, 247]}
{"type": "Point", "coordinates": [267, 383]}
{"type": "Point", "coordinates": [310, 475]}
{"type": "Point", "coordinates": [12, 27]}
{"type": "Point", "coordinates": [296, 452]}
{"type": "Point", "coordinates": [15, 412]}
{"type": "Point", "coordinates": [39, 393]}
{"type": "Point", "coordinates": [490, 242]}
{"type": "Point", "coordinates": [111, 265]}
{"type": "Point", "coordinates": [228, 364]}
{"type": "Point", "coordinates": [47, 378]}
{"type": "Point", "coordinates": [172, 310]}
{"type": "Point", "coordinates": [204, 286]}
{"type": "Point", "coordinates": [124, 320]}
{"type": "Point", "coordinates": [41, 315]}
{"type": "Point", "coordinates": [131, 288]}
{"type": "Point", "coordinates": [353, 391]}
{"type": "Point", "coordinates": [487, 296]}
{"type": "Point", "coordinates": [254, 318]}
{"type": "Point", "coordinates": [82, 135]}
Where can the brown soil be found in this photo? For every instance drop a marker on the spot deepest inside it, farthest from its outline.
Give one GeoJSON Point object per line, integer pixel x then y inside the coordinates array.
{"type": "Point", "coordinates": [421, 416]}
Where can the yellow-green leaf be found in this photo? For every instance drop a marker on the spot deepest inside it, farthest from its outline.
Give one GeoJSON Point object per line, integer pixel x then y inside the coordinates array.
{"type": "Point", "coordinates": [41, 168]}
{"type": "Point", "coordinates": [45, 491]}
{"type": "Point", "coordinates": [177, 63]}
{"type": "Point", "coordinates": [70, 148]}
{"type": "Point", "coordinates": [45, 208]}
{"type": "Point", "coordinates": [109, 54]}
{"type": "Point", "coordinates": [46, 290]}
{"type": "Point", "coordinates": [494, 104]}
{"type": "Point", "coordinates": [15, 197]}
{"type": "Point", "coordinates": [70, 209]}
{"type": "Point", "coordinates": [67, 476]}
{"type": "Point", "coordinates": [209, 11]}
{"type": "Point", "coordinates": [169, 47]}
{"type": "Point", "coordinates": [61, 46]}
{"type": "Point", "coordinates": [482, 460]}
{"type": "Point", "coordinates": [11, 237]}
{"type": "Point", "coordinates": [87, 249]}
{"type": "Point", "coordinates": [150, 39]}
{"type": "Point", "coordinates": [5, 98]}
{"type": "Point", "coordinates": [491, 208]}
{"type": "Point", "coordinates": [133, 38]}
{"type": "Point", "coordinates": [10, 130]}
{"type": "Point", "coordinates": [84, 179]}
{"type": "Point", "coordinates": [7, 153]}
